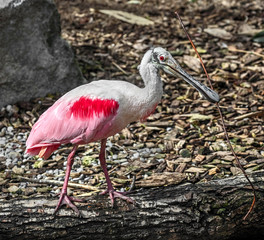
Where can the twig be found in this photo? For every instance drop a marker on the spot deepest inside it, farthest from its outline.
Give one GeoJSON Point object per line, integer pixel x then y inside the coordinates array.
{"type": "Point", "coordinates": [252, 114]}
{"type": "Point", "coordinates": [223, 122]}
{"type": "Point", "coordinates": [58, 183]}
{"type": "Point", "coordinates": [119, 68]}
{"type": "Point", "coordinates": [234, 49]}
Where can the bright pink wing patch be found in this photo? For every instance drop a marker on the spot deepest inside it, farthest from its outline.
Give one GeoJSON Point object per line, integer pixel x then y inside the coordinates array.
{"type": "Point", "coordinates": [87, 108]}
{"type": "Point", "coordinates": [78, 122]}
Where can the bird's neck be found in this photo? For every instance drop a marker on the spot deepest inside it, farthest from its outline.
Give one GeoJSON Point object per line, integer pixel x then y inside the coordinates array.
{"type": "Point", "coordinates": [152, 92]}
{"type": "Point", "coordinates": [152, 81]}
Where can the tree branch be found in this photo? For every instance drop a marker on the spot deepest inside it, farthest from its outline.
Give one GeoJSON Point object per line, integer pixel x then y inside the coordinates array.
{"type": "Point", "coordinates": [212, 210]}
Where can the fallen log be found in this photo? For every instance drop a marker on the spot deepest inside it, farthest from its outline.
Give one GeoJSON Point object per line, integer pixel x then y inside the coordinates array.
{"type": "Point", "coordinates": [209, 210]}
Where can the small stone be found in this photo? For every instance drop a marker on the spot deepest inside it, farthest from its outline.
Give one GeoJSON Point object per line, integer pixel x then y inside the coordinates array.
{"type": "Point", "coordinates": [135, 155]}
{"type": "Point", "coordinates": [145, 154]}
{"type": "Point", "coordinates": [9, 163]}
{"type": "Point", "coordinates": [158, 150]}
{"type": "Point", "coordinates": [10, 129]}
{"type": "Point", "coordinates": [18, 171]}
{"type": "Point", "coordinates": [3, 132]}
{"type": "Point", "coordinates": [39, 176]}
{"type": "Point", "coordinates": [14, 155]}
{"type": "Point", "coordinates": [225, 65]}
{"type": "Point", "coordinates": [233, 67]}
{"type": "Point", "coordinates": [2, 142]}
{"type": "Point", "coordinates": [13, 189]}
{"type": "Point", "coordinates": [29, 191]}
{"type": "Point", "coordinates": [153, 150]}
{"type": "Point", "coordinates": [12, 109]}
{"type": "Point", "coordinates": [150, 144]}
{"type": "Point", "coordinates": [79, 170]}
{"type": "Point", "coordinates": [185, 153]}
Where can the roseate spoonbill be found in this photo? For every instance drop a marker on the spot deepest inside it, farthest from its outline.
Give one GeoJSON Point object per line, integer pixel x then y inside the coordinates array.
{"type": "Point", "coordinates": [100, 109]}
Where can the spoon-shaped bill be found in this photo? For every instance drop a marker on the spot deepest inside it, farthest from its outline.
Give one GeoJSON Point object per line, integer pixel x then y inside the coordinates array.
{"type": "Point", "coordinates": [175, 69]}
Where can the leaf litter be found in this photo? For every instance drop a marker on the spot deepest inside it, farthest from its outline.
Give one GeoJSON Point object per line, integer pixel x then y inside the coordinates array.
{"type": "Point", "coordinates": [183, 139]}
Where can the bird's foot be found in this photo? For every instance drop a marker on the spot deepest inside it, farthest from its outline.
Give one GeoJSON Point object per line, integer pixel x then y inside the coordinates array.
{"type": "Point", "coordinates": [65, 199]}
{"type": "Point", "coordinates": [114, 194]}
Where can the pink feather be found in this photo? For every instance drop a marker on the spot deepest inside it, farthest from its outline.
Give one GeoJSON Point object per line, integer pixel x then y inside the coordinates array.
{"type": "Point", "coordinates": [77, 121]}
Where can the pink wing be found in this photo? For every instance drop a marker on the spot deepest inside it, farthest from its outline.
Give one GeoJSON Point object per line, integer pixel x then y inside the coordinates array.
{"type": "Point", "coordinates": [77, 121]}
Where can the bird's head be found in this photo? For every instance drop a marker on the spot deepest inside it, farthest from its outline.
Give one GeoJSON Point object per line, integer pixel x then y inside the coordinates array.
{"type": "Point", "coordinates": [162, 59]}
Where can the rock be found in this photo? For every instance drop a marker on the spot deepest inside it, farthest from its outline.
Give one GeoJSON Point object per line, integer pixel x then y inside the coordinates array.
{"type": "Point", "coordinates": [150, 144]}
{"type": "Point", "coordinates": [18, 171]}
{"type": "Point", "coordinates": [2, 133]}
{"type": "Point", "coordinates": [34, 59]}
{"type": "Point", "coordinates": [2, 142]}
{"type": "Point", "coordinates": [13, 189]}
{"type": "Point", "coordinates": [29, 191]}
{"type": "Point", "coordinates": [14, 155]}
{"type": "Point", "coordinates": [185, 153]}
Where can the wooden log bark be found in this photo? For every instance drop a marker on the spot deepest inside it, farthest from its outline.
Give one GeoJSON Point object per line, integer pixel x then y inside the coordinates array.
{"type": "Point", "coordinates": [211, 210]}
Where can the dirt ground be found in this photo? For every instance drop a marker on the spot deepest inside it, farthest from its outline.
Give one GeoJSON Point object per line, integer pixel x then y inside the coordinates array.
{"type": "Point", "coordinates": [183, 140]}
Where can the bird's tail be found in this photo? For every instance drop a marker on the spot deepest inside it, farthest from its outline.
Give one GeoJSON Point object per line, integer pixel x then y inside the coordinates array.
{"type": "Point", "coordinates": [42, 151]}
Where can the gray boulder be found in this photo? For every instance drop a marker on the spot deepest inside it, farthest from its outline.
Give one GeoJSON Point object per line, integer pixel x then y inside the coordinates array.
{"type": "Point", "coordinates": [34, 59]}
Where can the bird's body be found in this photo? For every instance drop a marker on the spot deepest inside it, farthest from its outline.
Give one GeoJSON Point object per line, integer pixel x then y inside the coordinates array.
{"type": "Point", "coordinates": [92, 112]}
{"type": "Point", "coordinates": [98, 110]}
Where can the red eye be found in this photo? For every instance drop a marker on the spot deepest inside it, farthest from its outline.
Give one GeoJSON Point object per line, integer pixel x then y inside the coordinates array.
{"type": "Point", "coordinates": [161, 58]}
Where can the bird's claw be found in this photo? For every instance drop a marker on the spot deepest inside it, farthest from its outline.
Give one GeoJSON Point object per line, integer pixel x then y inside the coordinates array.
{"type": "Point", "coordinates": [66, 200]}
{"type": "Point", "coordinates": [114, 194]}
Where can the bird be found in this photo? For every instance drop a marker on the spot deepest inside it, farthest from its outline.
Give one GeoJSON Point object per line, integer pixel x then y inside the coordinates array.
{"type": "Point", "coordinates": [97, 110]}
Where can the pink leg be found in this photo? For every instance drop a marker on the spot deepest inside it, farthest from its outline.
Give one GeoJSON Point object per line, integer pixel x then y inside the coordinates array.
{"type": "Point", "coordinates": [112, 193]}
{"type": "Point", "coordinates": [64, 198]}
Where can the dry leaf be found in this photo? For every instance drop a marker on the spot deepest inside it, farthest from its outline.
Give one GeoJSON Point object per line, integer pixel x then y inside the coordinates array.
{"type": "Point", "coordinates": [193, 63]}
{"type": "Point", "coordinates": [235, 170]}
{"type": "Point", "coordinates": [196, 170]}
{"type": "Point", "coordinates": [219, 33]}
{"type": "Point", "coordinates": [127, 17]}
{"type": "Point", "coordinates": [214, 170]}
{"type": "Point", "coordinates": [246, 29]}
